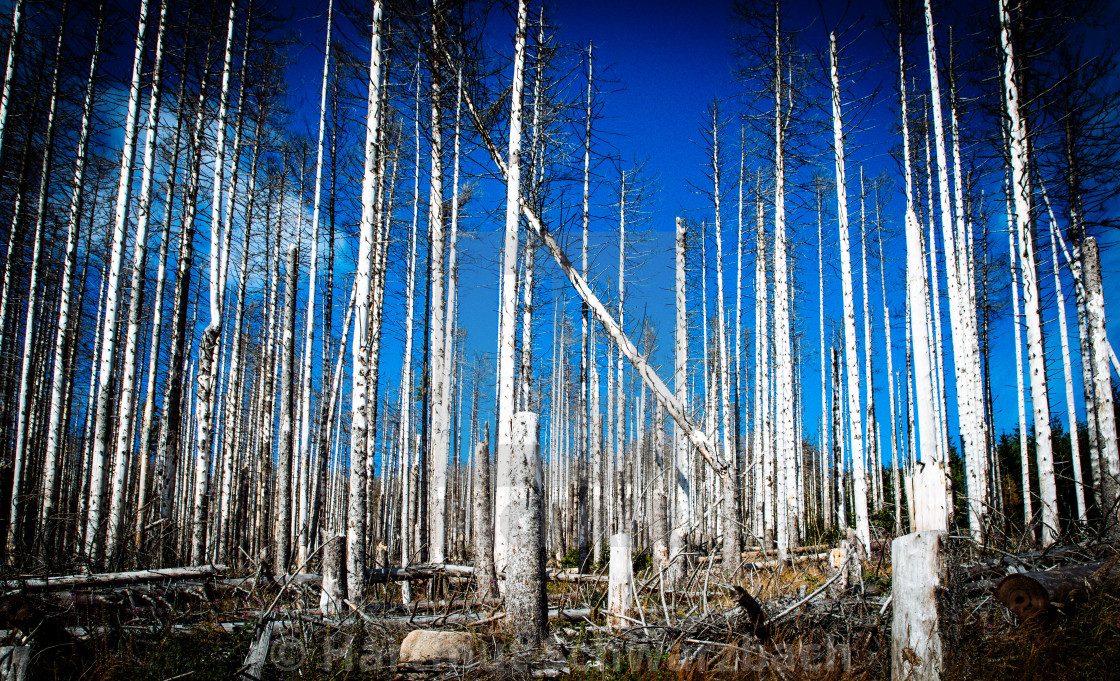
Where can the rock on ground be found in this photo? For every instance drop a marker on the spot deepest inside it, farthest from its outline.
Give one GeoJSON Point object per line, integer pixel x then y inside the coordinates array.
{"type": "Point", "coordinates": [423, 645]}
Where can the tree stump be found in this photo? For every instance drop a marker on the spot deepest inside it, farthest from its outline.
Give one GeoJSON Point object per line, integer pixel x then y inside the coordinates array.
{"type": "Point", "coordinates": [621, 585]}
{"type": "Point", "coordinates": [333, 588]}
{"type": "Point", "coordinates": [919, 575]}
{"type": "Point", "coordinates": [526, 600]}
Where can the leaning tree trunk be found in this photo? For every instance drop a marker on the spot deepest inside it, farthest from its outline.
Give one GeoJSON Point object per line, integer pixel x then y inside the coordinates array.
{"type": "Point", "coordinates": [1067, 372]}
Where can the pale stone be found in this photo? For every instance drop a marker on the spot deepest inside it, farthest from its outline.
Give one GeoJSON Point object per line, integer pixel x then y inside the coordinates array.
{"type": "Point", "coordinates": [423, 645]}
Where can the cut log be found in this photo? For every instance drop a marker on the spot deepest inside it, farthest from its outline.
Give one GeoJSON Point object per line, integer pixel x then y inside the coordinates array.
{"type": "Point", "coordinates": [110, 578]}
{"type": "Point", "coordinates": [1031, 594]}
{"type": "Point", "coordinates": [15, 663]}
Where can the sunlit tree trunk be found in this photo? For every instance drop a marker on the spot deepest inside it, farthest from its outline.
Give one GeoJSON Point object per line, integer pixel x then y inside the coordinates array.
{"type": "Point", "coordinates": [730, 492]}
{"type": "Point", "coordinates": [874, 452]}
{"type": "Point", "coordinates": [584, 451]}
{"type": "Point", "coordinates": [107, 360]}
{"type": "Point", "coordinates": [678, 540]}
{"type": "Point", "coordinates": [10, 68]}
{"type": "Point", "coordinates": [52, 458]}
{"type": "Point", "coordinates": [784, 445]}
{"type": "Point", "coordinates": [506, 344]}
{"type": "Point", "coordinates": [362, 346]}
{"type": "Point", "coordinates": [209, 346]}
{"type": "Point", "coordinates": [1105, 409]}
{"type": "Point", "coordinates": [961, 308]}
{"type": "Point", "coordinates": [284, 458]}
{"type": "Point", "coordinates": [859, 491]}
{"type": "Point", "coordinates": [928, 495]}
{"type": "Point", "coordinates": [826, 501]}
{"type": "Point", "coordinates": [309, 327]}
{"type": "Point", "coordinates": [1067, 372]}
{"type": "Point", "coordinates": [895, 472]}
{"type": "Point", "coordinates": [21, 452]}
{"type": "Point", "coordinates": [440, 388]}
{"type": "Point", "coordinates": [1036, 360]}
{"type": "Point", "coordinates": [129, 380]}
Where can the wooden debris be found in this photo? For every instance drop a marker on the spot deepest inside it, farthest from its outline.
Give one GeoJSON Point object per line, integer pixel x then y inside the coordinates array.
{"type": "Point", "coordinates": [1034, 594]}
{"type": "Point", "coordinates": [258, 654]}
{"type": "Point", "coordinates": [15, 663]}
{"type": "Point", "coordinates": [110, 578]}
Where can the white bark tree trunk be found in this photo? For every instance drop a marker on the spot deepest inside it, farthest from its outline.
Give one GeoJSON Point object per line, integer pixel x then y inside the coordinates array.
{"type": "Point", "coordinates": [678, 539]}
{"type": "Point", "coordinates": [1106, 422]}
{"type": "Point", "coordinates": [1067, 372]}
{"type": "Point", "coordinates": [966, 360]}
{"type": "Point", "coordinates": [210, 344]}
{"type": "Point", "coordinates": [52, 463]}
{"type": "Point", "coordinates": [784, 446]}
{"type": "Point", "coordinates": [621, 584]}
{"type": "Point", "coordinates": [525, 597]}
{"type": "Point", "coordinates": [129, 380]}
{"type": "Point", "coordinates": [23, 415]}
{"type": "Point", "coordinates": [730, 492]}
{"type": "Point", "coordinates": [92, 546]}
{"type": "Point", "coordinates": [10, 68]}
{"type": "Point", "coordinates": [859, 491]}
{"type": "Point", "coordinates": [440, 387]}
{"type": "Point", "coordinates": [309, 327]}
{"type": "Point", "coordinates": [1020, 189]}
{"type": "Point", "coordinates": [282, 533]}
{"type": "Point", "coordinates": [356, 511]}
{"type": "Point", "coordinates": [506, 335]}
{"type": "Point", "coordinates": [483, 521]}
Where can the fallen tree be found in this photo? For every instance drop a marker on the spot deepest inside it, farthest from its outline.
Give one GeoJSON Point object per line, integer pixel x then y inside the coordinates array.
{"type": "Point", "coordinates": [111, 578]}
{"type": "Point", "coordinates": [1044, 594]}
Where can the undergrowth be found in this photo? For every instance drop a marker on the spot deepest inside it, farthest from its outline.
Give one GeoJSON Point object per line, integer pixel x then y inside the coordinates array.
{"type": "Point", "coordinates": [1085, 644]}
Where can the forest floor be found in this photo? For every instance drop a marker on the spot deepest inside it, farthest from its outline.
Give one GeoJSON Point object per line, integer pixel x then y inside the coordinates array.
{"type": "Point", "coordinates": [203, 630]}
